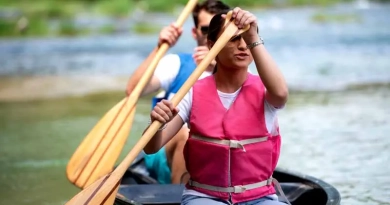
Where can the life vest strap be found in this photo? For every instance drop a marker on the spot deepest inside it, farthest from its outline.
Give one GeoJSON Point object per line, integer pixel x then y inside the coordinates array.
{"type": "Point", "coordinates": [279, 188]}
{"type": "Point", "coordinates": [231, 143]}
{"type": "Point", "coordinates": [233, 189]}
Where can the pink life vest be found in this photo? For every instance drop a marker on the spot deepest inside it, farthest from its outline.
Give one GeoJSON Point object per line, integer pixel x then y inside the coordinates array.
{"type": "Point", "coordinates": [230, 154]}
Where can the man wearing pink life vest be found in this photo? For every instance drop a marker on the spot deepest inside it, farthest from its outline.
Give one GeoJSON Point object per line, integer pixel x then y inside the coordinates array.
{"type": "Point", "coordinates": [234, 142]}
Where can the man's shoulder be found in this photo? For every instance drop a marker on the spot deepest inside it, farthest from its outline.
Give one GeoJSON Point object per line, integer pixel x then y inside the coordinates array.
{"type": "Point", "coordinates": [180, 58]}
{"type": "Point", "coordinates": [187, 63]}
{"type": "Point", "coordinates": [170, 57]}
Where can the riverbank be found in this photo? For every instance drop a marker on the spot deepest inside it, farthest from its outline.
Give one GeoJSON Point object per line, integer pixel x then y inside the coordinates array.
{"type": "Point", "coordinates": [96, 88]}
{"type": "Point", "coordinates": [65, 18]}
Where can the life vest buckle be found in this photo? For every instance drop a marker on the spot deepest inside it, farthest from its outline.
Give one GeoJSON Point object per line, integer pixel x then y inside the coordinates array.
{"type": "Point", "coordinates": [236, 144]}
{"type": "Point", "coordinates": [239, 189]}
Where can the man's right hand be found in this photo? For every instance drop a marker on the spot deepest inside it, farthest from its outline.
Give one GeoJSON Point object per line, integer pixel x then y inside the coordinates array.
{"type": "Point", "coordinates": [200, 53]}
{"type": "Point", "coordinates": [169, 34]}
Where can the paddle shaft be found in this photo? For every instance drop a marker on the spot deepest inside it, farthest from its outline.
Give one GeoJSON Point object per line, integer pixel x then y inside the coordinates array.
{"type": "Point", "coordinates": [99, 191]}
{"type": "Point", "coordinates": [230, 31]}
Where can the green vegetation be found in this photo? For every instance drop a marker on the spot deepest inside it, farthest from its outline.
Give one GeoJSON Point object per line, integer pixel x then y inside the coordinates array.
{"type": "Point", "coordinates": [115, 8]}
{"type": "Point", "coordinates": [144, 28]}
{"type": "Point", "coordinates": [107, 29]}
{"type": "Point", "coordinates": [335, 18]}
{"type": "Point", "coordinates": [56, 17]}
{"type": "Point", "coordinates": [51, 17]}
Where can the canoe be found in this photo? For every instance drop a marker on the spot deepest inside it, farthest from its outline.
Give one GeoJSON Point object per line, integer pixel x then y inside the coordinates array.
{"type": "Point", "coordinates": [138, 188]}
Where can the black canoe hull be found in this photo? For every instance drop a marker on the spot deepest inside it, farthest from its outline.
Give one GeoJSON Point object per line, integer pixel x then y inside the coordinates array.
{"type": "Point", "coordinates": [138, 188]}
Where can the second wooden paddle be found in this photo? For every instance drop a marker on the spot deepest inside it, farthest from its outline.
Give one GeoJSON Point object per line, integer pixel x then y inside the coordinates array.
{"type": "Point", "coordinates": [98, 152]}
{"type": "Point", "coordinates": [99, 191]}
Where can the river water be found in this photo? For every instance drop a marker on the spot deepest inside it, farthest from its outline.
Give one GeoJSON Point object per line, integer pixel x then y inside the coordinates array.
{"type": "Point", "coordinates": [54, 90]}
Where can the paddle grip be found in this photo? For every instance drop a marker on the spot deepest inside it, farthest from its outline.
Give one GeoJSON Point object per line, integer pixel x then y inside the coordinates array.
{"type": "Point", "coordinates": [160, 53]}
{"type": "Point", "coordinates": [230, 31]}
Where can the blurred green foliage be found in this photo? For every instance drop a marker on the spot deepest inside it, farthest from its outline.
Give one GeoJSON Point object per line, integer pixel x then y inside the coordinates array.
{"type": "Point", "coordinates": [34, 18]}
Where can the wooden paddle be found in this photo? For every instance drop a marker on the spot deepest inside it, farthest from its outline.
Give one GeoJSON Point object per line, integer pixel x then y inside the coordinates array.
{"type": "Point", "coordinates": [98, 152]}
{"type": "Point", "coordinates": [99, 191]}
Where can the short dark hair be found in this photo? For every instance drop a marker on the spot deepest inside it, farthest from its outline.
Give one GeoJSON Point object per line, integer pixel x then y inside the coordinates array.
{"type": "Point", "coordinates": [210, 6]}
{"type": "Point", "coordinates": [216, 25]}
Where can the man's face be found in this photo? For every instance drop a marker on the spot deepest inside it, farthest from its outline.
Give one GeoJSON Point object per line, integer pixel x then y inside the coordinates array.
{"type": "Point", "coordinates": [200, 32]}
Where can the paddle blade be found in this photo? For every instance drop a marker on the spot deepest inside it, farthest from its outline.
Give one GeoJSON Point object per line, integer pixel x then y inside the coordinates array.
{"type": "Point", "coordinates": [97, 154]}
{"type": "Point", "coordinates": [98, 193]}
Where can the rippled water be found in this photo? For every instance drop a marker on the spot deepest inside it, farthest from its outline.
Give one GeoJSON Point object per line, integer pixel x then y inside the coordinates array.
{"type": "Point", "coordinates": [336, 133]}
{"type": "Point", "coordinates": [341, 138]}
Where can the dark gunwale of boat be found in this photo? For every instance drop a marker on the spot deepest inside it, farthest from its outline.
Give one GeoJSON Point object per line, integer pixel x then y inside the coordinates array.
{"type": "Point", "coordinates": [300, 189]}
